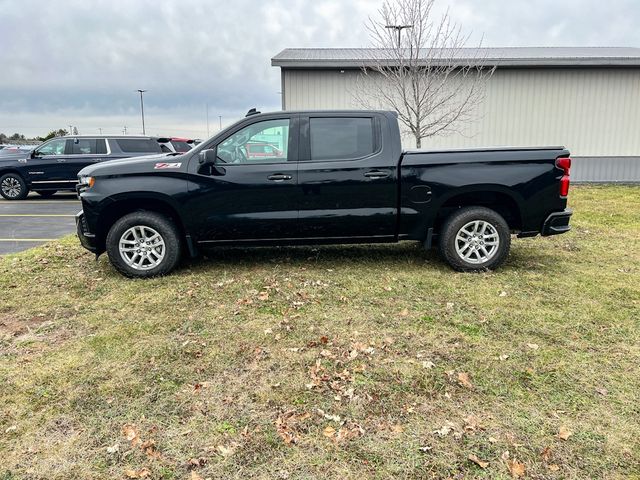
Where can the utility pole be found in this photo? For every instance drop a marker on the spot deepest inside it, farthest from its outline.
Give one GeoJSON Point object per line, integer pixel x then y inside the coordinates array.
{"type": "Point", "coordinates": [70, 130]}
{"type": "Point", "coordinates": [142, 109]}
{"type": "Point", "coordinates": [100, 128]}
{"type": "Point", "coordinates": [124, 130]}
{"type": "Point", "coordinates": [399, 29]}
{"type": "Point", "coordinates": [207, 120]}
{"type": "Point", "coordinates": [220, 118]}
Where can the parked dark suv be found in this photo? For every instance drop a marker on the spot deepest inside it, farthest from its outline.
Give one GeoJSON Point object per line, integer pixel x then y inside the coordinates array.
{"type": "Point", "coordinates": [55, 164]}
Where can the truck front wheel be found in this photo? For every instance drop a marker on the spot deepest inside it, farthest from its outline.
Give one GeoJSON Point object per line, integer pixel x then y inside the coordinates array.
{"type": "Point", "coordinates": [475, 239]}
{"type": "Point", "coordinates": [143, 244]}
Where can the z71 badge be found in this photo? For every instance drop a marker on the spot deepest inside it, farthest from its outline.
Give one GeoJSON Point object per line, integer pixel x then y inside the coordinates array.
{"type": "Point", "coordinates": [160, 166]}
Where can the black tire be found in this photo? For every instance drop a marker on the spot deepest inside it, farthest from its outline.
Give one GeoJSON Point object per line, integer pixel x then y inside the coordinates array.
{"type": "Point", "coordinates": [46, 193]}
{"type": "Point", "coordinates": [162, 225]}
{"type": "Point", "coordinates": [450, 244]}
{"type": "Point", "coordinates": [13, 187]}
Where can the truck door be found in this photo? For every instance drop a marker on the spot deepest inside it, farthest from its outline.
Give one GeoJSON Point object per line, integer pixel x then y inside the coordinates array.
{"type": "Point", "coordinates": [48, 167]}
{"type": "Point", "coordinates": [248, 197]}
{"type": "Point", "coordinates": [84, 152]}
{"type": "Point", "coordinates": [348, 178]}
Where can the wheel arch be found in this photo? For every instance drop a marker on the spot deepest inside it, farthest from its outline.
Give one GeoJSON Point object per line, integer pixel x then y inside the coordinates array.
{"type": "Point", "coordinates": [503, 200]}
{"type": "Point", "coordinates": [121, 206]}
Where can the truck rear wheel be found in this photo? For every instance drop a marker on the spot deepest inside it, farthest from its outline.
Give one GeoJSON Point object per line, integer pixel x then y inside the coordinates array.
{"type": "Point", "coordinates": [143, 244]}
{"type": "Point", "coordinates": [475, 239]}
{"type": "Point", "coordinates": [13, 187]}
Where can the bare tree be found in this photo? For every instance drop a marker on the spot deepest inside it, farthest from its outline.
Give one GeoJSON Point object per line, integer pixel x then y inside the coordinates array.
{"type": "Point", "coordinates": [420, 67]}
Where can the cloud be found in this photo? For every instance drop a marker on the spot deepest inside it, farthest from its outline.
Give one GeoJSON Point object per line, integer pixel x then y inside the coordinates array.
{"type": "Point", "coordinates": [80, 62]}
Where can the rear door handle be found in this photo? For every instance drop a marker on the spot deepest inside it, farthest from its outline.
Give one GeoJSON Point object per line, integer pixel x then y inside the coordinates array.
{"type": "Point", "coordinates": [279, 177]}
{"type": "Point", "coordinates": [376, 174]}
{"type": "Point", "coordinates": [62, 160]}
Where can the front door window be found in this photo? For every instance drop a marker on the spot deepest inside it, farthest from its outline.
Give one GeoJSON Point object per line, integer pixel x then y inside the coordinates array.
{"type": "Point", "coordinates": [54, 147]}
{"type": "Point", "coordinates": [261, 142]}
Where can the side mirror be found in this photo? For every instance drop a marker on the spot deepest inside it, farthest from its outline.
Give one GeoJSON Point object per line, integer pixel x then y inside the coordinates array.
{"type": "Point", "coordinates": [208, 157]}
{"type": "Point", "coordinates": [33, 154]}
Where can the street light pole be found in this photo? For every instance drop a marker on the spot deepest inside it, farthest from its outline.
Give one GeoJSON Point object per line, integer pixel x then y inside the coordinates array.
{"type": "Point", "coordinates": [220, 118]}
{"type": "Point", "coordinates": [399, 29]}
{"type": "Point", "coordinates": [207, 120]}
{"type": "Point", "coordinates": [142, 109]}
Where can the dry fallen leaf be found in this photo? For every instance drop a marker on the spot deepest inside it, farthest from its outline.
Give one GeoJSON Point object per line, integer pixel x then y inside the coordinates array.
{"type": "Point", "coordinates": [130, 432]}
{"type": "Point", "coordinates": [564, 433]}
{"type": "Point", "coordinates": [142, 473]}
{"type": "Point", "coordinates": [114, 448]}
{"type": "Point", "coordinates": [195, 475]}
{"type": "Point", "coordinates": [477, 461]}
{"type": "Point", "coordinates": [516, 468]}
{"type": "Point", "coordinates": [553, 468]}
{"type": "Point", "coordinates": [503, 357]}
{"type": "Point", "coordinates": [503, 294]}
{"type": "Point", "coordinates": [428, 364]}
{"type": "Point", "coordinates": [602, 391]}
{"type": "Point", "coordinates": [404, 312]}
{"type": "Point", "coordinates": [463, 379]}
{"type": "Point", "coordinates": [226, 451]}
{"type": "Point", "coordinates": [545, 454]}
{"type": "Point", "coordinates": [397, 428]}
{"type": "Point", "coordinates": [445, 430]}
{"type": "Point", "coordinates": [329, 432]}
{"type": "Point", "coordinates": [533, 346]}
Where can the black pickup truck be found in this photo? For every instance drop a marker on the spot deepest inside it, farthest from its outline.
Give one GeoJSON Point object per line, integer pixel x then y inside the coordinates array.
{"type": "Point", "coordinates": [331, 177]}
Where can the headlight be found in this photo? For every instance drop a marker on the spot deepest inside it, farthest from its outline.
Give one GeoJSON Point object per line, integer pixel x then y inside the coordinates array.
{"type": "Point", "coordinates": [86, 181]}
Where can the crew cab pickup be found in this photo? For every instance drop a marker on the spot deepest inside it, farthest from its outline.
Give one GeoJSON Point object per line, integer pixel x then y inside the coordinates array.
{"type": "Point", "coordinates": [334, 177]}
{"type": "Point", "coordinates": [55, 164]}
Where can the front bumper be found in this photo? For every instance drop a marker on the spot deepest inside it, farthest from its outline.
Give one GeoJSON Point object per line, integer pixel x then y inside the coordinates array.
{"type": "Point", "coordinates": [87, 239]}
{"type": "Point", "coordinates": [557, 223]}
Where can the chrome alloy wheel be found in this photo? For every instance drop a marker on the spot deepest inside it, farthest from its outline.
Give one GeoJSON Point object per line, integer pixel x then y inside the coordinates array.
{"type": "Point", "coordinates": [11, 187]}
{"type": "Point", "coordinates": [477, 242]}
{"type": "Point", "coordinates": [142, 247]}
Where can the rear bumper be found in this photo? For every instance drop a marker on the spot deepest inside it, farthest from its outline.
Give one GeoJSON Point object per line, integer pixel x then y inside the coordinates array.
{"type": "Point", "coordinates": [87, 239]}
{"type": "Point", "coordinates": [557, 223]}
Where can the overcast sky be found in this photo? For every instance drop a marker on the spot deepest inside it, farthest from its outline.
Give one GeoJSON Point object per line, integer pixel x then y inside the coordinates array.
{"type": "Point", "coordinates": [79, 62]}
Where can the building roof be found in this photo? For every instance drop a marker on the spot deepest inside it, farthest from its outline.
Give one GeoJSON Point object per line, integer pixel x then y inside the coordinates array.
{"type": "Point", "coordinates": [501, 57]}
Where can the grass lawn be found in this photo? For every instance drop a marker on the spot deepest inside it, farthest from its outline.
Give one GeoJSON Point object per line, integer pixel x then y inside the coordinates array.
{"type": "Point", "coordinates": [333, 362]}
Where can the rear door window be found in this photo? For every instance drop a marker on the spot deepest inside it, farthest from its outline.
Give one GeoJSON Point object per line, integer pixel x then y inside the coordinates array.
{"type": "Point", "coordinates": [341, 138]}
{"type": "Point", "coordinates": [84, 146]}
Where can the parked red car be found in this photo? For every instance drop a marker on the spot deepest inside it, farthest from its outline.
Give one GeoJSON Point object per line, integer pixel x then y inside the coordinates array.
{"type": "Point", "coordinates": [261, 150]}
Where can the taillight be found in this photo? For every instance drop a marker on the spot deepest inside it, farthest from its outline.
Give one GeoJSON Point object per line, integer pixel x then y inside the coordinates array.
{"type": "Point", "coordinates": [564, 164]}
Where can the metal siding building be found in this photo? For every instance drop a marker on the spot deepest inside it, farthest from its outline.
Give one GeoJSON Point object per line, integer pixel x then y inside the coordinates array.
{"type": "Point", "coordinates": [587, 99]}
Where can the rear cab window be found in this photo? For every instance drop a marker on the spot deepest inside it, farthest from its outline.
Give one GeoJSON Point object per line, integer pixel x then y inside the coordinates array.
{"type": "Point", "coordinates": [180, 147]}
{"type": "Point", "coordinates": [342, 138]}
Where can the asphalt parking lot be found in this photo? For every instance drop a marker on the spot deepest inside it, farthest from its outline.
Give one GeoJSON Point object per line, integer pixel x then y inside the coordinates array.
{"type": "Point", "coordinates": [35, 220]}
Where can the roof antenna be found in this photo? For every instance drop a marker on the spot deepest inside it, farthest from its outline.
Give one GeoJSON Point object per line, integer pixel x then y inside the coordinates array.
{"type": "Point", "coordinates": [253, 111]}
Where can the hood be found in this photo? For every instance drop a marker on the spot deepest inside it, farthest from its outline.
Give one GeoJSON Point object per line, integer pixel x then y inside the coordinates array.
{"type": "Point", "coordinates": [145, 164]}
{"type": "Point", "coordinates": [12, 157]}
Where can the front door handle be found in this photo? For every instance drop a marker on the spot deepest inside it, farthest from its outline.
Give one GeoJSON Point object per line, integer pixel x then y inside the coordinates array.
{"type": "Point", "coordinates": [376, 174]}
{"type": "Point", "coordinates": [279, 177]}
{"type": "Point", "coordinates": [61, 160]}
